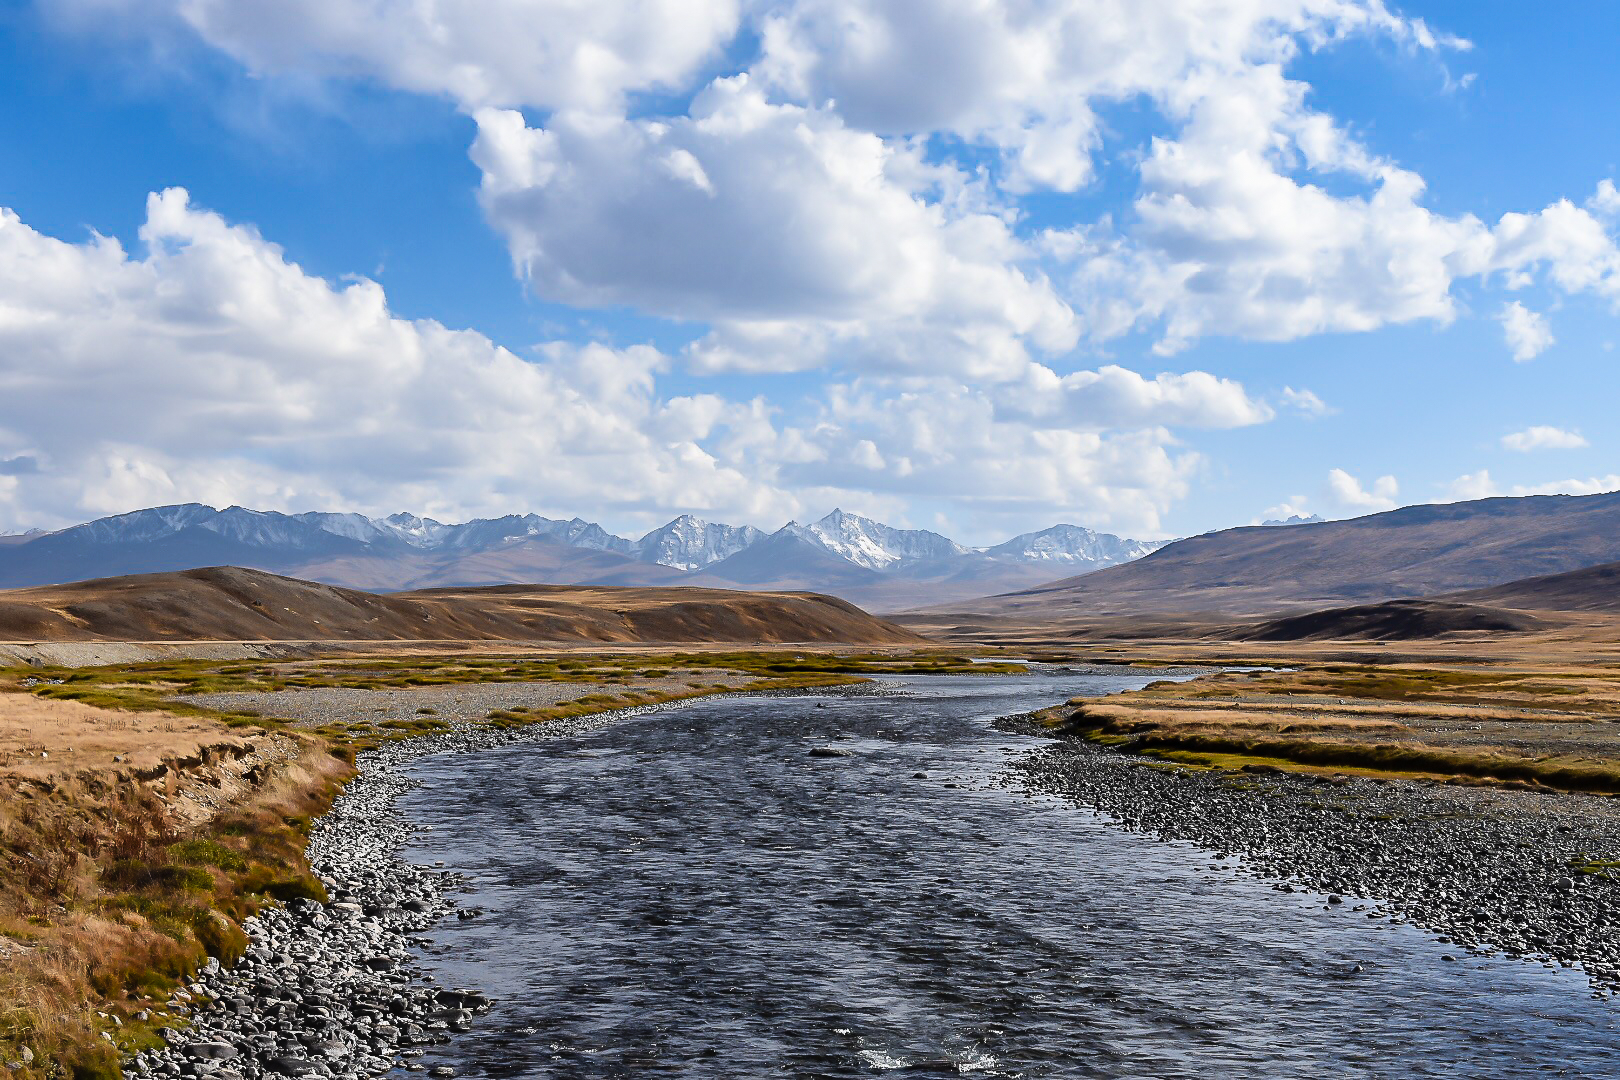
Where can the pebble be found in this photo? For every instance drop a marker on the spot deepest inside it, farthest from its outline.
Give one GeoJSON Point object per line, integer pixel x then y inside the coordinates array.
{"type": "Point", "coordinates": [1488, 869]}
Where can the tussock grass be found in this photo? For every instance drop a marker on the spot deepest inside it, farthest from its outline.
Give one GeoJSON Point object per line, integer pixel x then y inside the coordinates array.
{"type": "Point", "coordinates": [112, 904]}
{"type": "Point", "coordinates": [1341, 718]}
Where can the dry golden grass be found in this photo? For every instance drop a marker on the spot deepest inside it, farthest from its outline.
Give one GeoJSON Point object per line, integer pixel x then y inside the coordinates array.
{"type": "Point", "coordinates": [53, 740]}
{"type": "Point", "coordinates": [1516, 724]}
{"type": "Point", "coordinates": [115, 887]}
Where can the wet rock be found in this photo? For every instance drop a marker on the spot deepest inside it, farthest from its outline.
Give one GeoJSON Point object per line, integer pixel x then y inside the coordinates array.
{"type": "Point", "coordinates": [211, 1051]}
{"type": "Point", "coordinates": [830, 752]}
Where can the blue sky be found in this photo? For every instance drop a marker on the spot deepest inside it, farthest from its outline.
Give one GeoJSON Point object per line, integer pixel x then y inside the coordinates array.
{"type": "Point", "coordinates": [703, 322]}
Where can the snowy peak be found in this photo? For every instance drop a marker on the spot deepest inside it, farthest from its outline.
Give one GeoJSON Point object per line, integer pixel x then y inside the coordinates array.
{"type": "Point", "coordinates": [1072, 545]}
{"type": "Point", "coordinates": [416, 531]}
{"type": "Point", "coordinates": [1296, 519]}
{"type": "Point", "coordinates": [690, 543]}
{"type": "Point", "coordinates": [874, 545]}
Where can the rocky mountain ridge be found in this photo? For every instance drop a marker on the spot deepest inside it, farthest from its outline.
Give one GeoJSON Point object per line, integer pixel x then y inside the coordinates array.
{"type": "Point", "coordinates": [847, 554]}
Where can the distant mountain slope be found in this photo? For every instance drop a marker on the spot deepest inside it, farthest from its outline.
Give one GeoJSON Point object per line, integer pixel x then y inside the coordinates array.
{"type": "Point", "coordinates": [789, 558]}
{"type": "Point", "coordinates": [1595, 588]}
{"type": "Point", "coordinates": [1393, 620]}
{"type": "Point", "coordinates": [690, 543]}
{"type": "Point", "coordinates": [1073, 546]}
{"type": "Point", "coordinates": [234, 604]}
{"type": "Point", "coordinates": [522, 560]}
{"type": "Point", "coordinates": [874, 545]}
{"type": "Point", "coordinates": [1413, 551]}
{"type": "Point", "coordinates": [853, 556]}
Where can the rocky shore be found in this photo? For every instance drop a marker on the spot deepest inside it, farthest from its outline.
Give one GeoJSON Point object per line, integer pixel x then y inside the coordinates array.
{"type": "Point", "coordinates": [334, 990]}
{"type": "Point", "coordinates": [1529, 874]}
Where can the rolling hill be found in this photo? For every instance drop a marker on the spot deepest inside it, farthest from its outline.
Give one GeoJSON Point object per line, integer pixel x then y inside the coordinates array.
{"type": "Point", "coordinates": [233, 604]}
{"type": "Point", "coordinates": [1594, 588]}
{"type": "Point", "coordinates": [1416, 551]}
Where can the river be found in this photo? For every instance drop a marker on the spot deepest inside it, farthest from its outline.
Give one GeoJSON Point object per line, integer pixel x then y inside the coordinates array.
{"type": "Point", "coordinates": [691, 893]}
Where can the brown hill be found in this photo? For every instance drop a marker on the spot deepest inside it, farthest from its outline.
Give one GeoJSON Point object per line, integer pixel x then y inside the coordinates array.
{"type": "Point", "coordinates": [1416, 551]}
{"type": "Point", "coordinates": [232, 604]}
{"type": "Point", "coordinates": [1596, 588]}
{"type": "Point", "coordinates": [1393, 620]}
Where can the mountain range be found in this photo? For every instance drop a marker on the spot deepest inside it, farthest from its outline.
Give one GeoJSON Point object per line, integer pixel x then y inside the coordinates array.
{"type": "Point", "coordinates": [1415, 551]}
{"type": "Point", "coordinates": [862, 560]}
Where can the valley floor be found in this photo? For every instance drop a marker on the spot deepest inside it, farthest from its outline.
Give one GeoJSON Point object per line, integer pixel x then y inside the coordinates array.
{"type": "Point", "coordinates": [150, 808]}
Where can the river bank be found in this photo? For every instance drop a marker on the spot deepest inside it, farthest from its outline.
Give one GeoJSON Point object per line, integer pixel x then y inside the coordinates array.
{"type": "Point", "coordinates": [1529, 874]}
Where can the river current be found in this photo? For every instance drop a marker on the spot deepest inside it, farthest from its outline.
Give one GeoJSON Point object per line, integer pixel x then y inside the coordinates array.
{"type": "Point", "coordinates": [689, 893]}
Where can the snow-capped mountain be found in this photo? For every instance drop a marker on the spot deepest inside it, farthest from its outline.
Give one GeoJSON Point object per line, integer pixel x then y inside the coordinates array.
{"type": "Point", "coordinates": [484, 533]}
{"type": "Point", "coordinates": [874, 545]}
{"type": "Point", "coordinates": [690, 543]}
{"type": "Point", "coordinates": [1295, 519]}
{"type": "Point", "coordinates": [1072, 545]}
{"type": "Point", "coordinates": [852, 556]}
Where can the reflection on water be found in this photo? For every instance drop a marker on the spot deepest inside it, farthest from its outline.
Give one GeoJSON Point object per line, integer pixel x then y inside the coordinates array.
{"type": "Point", "coordinates": [690, 894]}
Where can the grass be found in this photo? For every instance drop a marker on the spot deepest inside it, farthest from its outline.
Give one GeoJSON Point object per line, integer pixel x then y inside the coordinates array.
{"type": "Point", "coordinates": [115, 903]}
{"type": "Point", "coordinates": [1358, 720]}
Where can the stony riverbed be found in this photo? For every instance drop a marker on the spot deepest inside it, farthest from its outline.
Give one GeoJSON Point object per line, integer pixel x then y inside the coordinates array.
{"type": "Point", "coordinates": [929, 924]}
{"type": "Point", "coordinates": [1491, 870]}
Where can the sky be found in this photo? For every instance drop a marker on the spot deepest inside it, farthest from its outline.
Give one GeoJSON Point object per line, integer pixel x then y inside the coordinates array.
{"type": "Point", "coordinates": [1154, 267]}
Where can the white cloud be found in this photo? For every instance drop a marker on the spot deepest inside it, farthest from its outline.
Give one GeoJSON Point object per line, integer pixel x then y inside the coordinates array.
{"type": "Point", "coordinates": [1479, 485]}
{"type": "Point", "coordinates": [1525, 331]}
{"type": "Point", "coordinates": [1592, 485]}
{"type": "Point", "coordinates": [1115, 397]}
{"type": "Point", "coordinates": [1606, 200]}
{"type": "Point", "coordinates": [210, 368]}
{"type": "Point", "coordinates": [1351, 495]}
{"type": "Point", "coordinates": [813, 206]}
{"type": "Point", "coordinates": [213, 369]}
{"type": "Point", "coordinates": [1295, 506]}
{"type": "Point", "coordinates": [1543, 437]}
{"type": "Point", "coordinates": [1304, 401]}
{"type": "Point", "coordinates": [802, 236]}
{"type": "Point", "coordinates": [942, 440]}
{"type": "Point", "coordinates": [545, 53]}
{"type": "Point", "coordinates": [1473, 486]}
{"type": "Point", "coordinates": [1026, 78]}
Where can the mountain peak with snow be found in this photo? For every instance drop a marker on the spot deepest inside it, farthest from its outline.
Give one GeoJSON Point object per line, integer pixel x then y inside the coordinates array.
{"type": "Point", "coordinates": [875, 545]}
{"type": "Point", "coordinates": [690, 543]}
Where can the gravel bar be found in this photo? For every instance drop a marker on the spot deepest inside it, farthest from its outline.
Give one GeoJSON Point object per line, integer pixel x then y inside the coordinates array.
{"type": "Point", "coordinates": [1487, 869]}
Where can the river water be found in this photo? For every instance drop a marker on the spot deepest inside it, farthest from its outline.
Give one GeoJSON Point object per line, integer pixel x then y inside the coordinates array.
{"type": "Point", "coordinates": [689, 893]}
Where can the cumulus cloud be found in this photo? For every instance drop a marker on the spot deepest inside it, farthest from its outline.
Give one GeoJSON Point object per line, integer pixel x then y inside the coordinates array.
{"type": "Point", "coordinates": [1351, 495]}
{"type": "Point", "coordinates": [1472, 486]}
{"type": "Point", "coordinates": [1543, 437]}
{"type": "Point", "coordinates": [850, 190]}
{"type": "Point", "coordinates": [208, 367]}
{"type": "Point", "coordinates": [1479, 485]}
{"type": "Point", "coordinates": [941, 439]}
{"type": "Point", "coordinates": [214, 369]}
{"type": "Point", "coordinates": [1115, 397]}
{"type": "Point", "coordinates": [545, 53]}
{"type": "Point", "coordinates": [1525, 331]}
{"type": "Point", "coordinates": [789, 230]}
{"type": "Point", "coordinates": [1305, 402]}
{"type": "Point", "coordinates": [1027, 79]}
